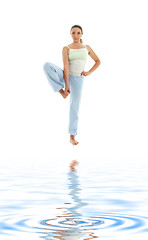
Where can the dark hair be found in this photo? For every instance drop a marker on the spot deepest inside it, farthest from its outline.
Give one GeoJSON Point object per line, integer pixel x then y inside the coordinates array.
{"type": "Point", "coordinates": [77, 26]}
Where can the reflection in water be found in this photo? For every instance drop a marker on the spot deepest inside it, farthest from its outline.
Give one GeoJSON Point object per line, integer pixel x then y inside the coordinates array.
{"type": "Point", "coordinates": [118, 196]}
{"type": "Point", "coordinates": [70, 224]}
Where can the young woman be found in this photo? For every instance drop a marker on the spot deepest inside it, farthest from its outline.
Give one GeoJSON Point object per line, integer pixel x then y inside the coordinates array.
{"type": "Point", "coordinates": [70, 79]}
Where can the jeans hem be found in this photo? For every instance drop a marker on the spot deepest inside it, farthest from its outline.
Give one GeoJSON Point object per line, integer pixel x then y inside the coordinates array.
{"type": "Point", "coordinates": [73, 133]}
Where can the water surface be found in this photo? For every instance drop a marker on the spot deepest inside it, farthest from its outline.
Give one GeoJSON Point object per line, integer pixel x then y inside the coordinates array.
{"type": "Point", "coordinates": [78, 200]}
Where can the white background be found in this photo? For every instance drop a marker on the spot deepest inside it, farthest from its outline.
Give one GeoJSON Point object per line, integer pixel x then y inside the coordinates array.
{"type": "Point", "coordinates": [113, 113]}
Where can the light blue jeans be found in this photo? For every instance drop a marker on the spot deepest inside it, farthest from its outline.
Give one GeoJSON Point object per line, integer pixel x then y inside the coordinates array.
{"type": "Point", "coordinates": [55, 77]}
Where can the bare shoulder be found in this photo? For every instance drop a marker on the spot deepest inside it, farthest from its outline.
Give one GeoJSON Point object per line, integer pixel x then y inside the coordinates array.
{"type": "Point", "coordinates": [65, 50]}
{"type": "Point", "coordinates": [92, 54]}
{"type": "Point", "coordinates": [89, 49]}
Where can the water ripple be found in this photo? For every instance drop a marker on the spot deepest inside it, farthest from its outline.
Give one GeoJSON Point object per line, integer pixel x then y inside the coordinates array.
{"type": "Point", "coordinates": [69, 223]}
{"type": "Point", "coordinates": [74, 210]}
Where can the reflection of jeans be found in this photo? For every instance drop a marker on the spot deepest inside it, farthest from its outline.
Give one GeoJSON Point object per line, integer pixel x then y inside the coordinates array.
{"type": "Point", "coordinates": [55, 76]}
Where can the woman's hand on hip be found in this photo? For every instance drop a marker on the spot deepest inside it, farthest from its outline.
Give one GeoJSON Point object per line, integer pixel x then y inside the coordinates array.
{"type": "Point", "coordinates": [85, 73]}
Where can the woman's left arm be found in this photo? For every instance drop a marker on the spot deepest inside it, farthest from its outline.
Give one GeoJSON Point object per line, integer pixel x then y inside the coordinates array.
{"type": "Point", "coordinates": [92, 54]}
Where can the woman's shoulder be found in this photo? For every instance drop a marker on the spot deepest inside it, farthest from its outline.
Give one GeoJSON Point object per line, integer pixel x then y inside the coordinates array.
{"type": "Point", "coordinates": [65, 47]}
{"type": "Point", "coordinates": [65, 50]}
{"type": "Point", "coordinates": [88, 47]}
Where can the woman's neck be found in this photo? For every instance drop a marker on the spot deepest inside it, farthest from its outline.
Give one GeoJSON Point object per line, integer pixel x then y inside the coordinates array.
{"type": "Point", "coordinates": [77, 44]}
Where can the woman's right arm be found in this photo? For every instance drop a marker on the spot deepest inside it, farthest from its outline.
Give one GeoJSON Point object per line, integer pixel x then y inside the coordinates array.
{"type": "Point", "coordinates": [66, 65]}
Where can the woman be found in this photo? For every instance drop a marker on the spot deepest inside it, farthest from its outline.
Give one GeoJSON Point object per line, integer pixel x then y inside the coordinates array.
{"type": "Point", "coordinates": [70, 80]}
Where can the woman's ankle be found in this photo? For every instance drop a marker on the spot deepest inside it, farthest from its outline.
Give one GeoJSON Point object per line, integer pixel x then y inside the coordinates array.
{"type": "Point", "coordinates": [72, 136]}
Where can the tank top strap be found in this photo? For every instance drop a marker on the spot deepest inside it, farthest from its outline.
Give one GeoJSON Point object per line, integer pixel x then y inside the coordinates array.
{"type": "Point", "coordinates": [68, 46]}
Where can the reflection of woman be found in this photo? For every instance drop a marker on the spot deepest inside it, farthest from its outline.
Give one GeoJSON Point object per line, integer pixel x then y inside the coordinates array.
{"type": "Point", "coordinates": [70, 224]}
{"type": "Point", "coordinates": [74, 59]}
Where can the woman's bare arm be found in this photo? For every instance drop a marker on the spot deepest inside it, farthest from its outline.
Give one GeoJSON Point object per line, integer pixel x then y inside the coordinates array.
{"type": "Point", "coordinates": [93, 55]}
{"type": "Point", "coordinates": [65, 65]}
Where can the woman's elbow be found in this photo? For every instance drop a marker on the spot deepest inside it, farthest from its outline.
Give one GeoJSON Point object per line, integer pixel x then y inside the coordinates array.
{"type": "Point", "coordinates": [98, 62]}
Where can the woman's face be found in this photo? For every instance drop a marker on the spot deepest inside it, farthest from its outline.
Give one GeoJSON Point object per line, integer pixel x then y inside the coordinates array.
{"type": "Point", "coordinates": [76, 34]}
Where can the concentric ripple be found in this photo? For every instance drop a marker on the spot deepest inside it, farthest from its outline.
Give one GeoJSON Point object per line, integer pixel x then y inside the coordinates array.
{"type": "Point", "coordinates": [104, 221]}
{"type": "Point", "coordinates": [124, 222]}
{"type": "Point", "coordinates": [66, 223]}
{"type": "Point", "coordinates": [82, 224]}
{"type": "Point", "coordinates": [73, 206]}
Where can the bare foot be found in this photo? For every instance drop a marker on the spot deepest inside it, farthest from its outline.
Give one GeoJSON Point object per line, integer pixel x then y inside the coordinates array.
{"type": "Point", "coordinates": [62, 92]}
{"type": "Point", "coordinates": [72, 140]}
{"type": "Point", "coordinates": [73, 164]}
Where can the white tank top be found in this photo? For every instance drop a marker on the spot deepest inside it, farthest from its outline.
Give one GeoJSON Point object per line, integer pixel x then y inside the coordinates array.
{"type": "Point", "coordinates": [77, 60]}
